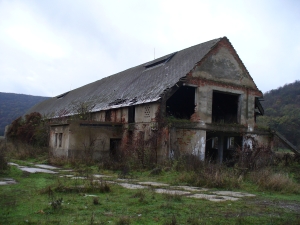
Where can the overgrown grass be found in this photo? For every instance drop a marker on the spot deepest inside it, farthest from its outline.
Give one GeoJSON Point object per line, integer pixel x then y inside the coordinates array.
{"type": "Point", "coordinates": [50, 199]}
{"type": "Point", "coordinates": [3, 157]}
{"type": "Point", "coordinates": [23, 151]}
{"type": "Point", "coordinates": [267, 179]}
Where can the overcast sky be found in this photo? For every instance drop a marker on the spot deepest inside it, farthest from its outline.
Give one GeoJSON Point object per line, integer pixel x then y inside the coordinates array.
{"type": "Point", "coordinates": [50, 47]}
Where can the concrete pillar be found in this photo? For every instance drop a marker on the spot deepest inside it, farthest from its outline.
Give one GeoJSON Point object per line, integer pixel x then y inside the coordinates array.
{"type": "Point", "coordinates": [220, 147]}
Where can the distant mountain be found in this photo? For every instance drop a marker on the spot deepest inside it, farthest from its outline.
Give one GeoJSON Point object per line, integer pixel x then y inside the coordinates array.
{"type": "Point", "coordinates": [282, 111]}
{"type": "Point", "coordinates": [13, 106]}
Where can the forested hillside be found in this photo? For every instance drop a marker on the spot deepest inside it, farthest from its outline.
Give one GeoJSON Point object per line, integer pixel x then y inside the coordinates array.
{"type": "Point", "coordinates": [13, 106]}
{"type": "Point", "coordinates": [282, 111]}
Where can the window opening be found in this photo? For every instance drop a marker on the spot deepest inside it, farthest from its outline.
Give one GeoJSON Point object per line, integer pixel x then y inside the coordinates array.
{"type": "Point", "coordinates": [225, 107]}
{"type": "Point", "coordinates": [258, 109]}
{"type": "Point", "coordinates": [181, 105]}
{"type": "Point", "coordinates": [59, 139]}
{"type": "Point", "coordinates": [214, 142]}
{"type": "Point", "coordinates": [131, 114]}
{"type": "Point", "coordinates": [114, 148]}
{"type": "Point", "coordinates": [56, 138]}
{"type": "Point", "coordinates": [147, 111]}
{"type": "Point", "coordinates": [107, 115]}
{"type": "Point", "coordinates": [230, 142]}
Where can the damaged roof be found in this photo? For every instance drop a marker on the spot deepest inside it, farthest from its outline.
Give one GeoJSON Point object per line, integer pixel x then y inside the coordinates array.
{"type": "Point", "coordinates": [141, 84]}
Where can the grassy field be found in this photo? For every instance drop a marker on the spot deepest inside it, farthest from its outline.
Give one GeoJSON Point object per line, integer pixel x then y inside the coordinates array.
{"type": "Point", "coordinates": [49, 199]}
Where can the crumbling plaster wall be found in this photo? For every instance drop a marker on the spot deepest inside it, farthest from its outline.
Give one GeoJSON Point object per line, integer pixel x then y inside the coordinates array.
{"type": "Point", "coordinates": [145, 121]}
{"type": "Point", "coordinates": [265, 140]}
{"type": "Point", "coordinates": [222, 71]}
{"type": "Point", "coordinates": [223, 65]}
{"type": "Point", "coordinates": [56, 150]}
{"type": "Point", "coordinates": [118, 115]}
{"type": "Point", "coordinates": [187, 141]}
{"type": "Point", "coordinates": [81, 136]}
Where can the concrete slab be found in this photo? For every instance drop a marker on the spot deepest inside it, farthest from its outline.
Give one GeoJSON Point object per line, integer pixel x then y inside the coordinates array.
{"type": "Point", "coordinates": [46, 166]}
{"type": "Point", "coordinates": [90, 195]}
{"type": "Point", "coordinates": [190, 188]}
{"type": "Point", "coordinates": [131, 186]}
{"type": "Point", "coordinates": [7, 181]}
{"type": "Point", "coordinates": [35, 170]}
{"type": "Point", "coordinates": [156, 184]}
{"type": "Point", "coordinates": [79, 178]}
{"type": "Point", "coordinates": [100, 175]}
{"type": "Point", "coordinates": [171, 192]}
{"type": "Point", "coordinates": [67, 175]}
{"type": "Point", "coordinates": [233, 194]}
{"type": "Point", "coordinates": [66, 170]}
{"type": "Point", "coordinates": [213, 198]}
{"type": "Point", "coordinates": [125, 180]}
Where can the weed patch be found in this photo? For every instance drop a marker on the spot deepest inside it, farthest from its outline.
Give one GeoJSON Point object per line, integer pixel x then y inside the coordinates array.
{"type": "Point", "coordinates": [267, 179]}
{"type": "Point", "coordinates": [3, 157]}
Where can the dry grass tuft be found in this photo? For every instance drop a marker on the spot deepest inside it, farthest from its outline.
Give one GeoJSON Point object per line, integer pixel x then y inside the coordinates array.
{"type": "Point", "coordinates": [268, 180]}
{"type": "Point", "coordinates": [205, 174]}
{"type": "Point", "coordinates": [124, 220]}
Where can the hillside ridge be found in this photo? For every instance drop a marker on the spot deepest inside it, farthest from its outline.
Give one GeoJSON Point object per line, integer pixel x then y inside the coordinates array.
{"type": "Point", "coordinates": [14, 105]}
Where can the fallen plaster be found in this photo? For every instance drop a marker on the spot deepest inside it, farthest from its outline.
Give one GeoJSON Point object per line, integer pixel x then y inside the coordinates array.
{"type": "Point", "coordinates": [156, 184]}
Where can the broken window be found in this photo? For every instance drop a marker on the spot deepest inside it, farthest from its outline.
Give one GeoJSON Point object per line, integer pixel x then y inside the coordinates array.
{"type": "Point", "coordinates": [225, 107]}
{"type": "Point", "coordinates": [258, 109]}
{"type": "Point", "coordinates": [131, 114]}
{"type": "Point", "coordinates": [107, 115]}
{"type": "Point", "coordinates": [56, 138]}
{"type": "Point", "coordinates": [181, 105]}
{"type": "Point", "coordinates": [114, 148]}
{"type": "Point", "coordinates": [214, 142]}
{"type": "Point", "coordinates": [60, 140]}
{"type": "Point", "coordinates": [222, 146]}
{"type": "Point", "coordinates": [230, 142]}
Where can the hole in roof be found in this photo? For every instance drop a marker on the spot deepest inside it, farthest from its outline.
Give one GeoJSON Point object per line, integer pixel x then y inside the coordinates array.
{"type": "Point", "coordinates": [160, 61]}
{"type": "Point", "coordinates": [117, 102]}
{"type": "Point", "coordinates": [62, 95]}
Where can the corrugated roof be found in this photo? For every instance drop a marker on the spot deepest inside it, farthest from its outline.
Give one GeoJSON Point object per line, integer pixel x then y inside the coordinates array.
{"type": "Point", "coordinates": [133, 86]}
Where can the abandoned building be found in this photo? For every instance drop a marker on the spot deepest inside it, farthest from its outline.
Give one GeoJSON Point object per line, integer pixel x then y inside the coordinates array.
{"type": "Point", "coordinates": [200, 100]}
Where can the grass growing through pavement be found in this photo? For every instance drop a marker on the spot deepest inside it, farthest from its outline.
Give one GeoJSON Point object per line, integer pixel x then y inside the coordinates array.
{"type": "Point", "coordinates": [50, 199]}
